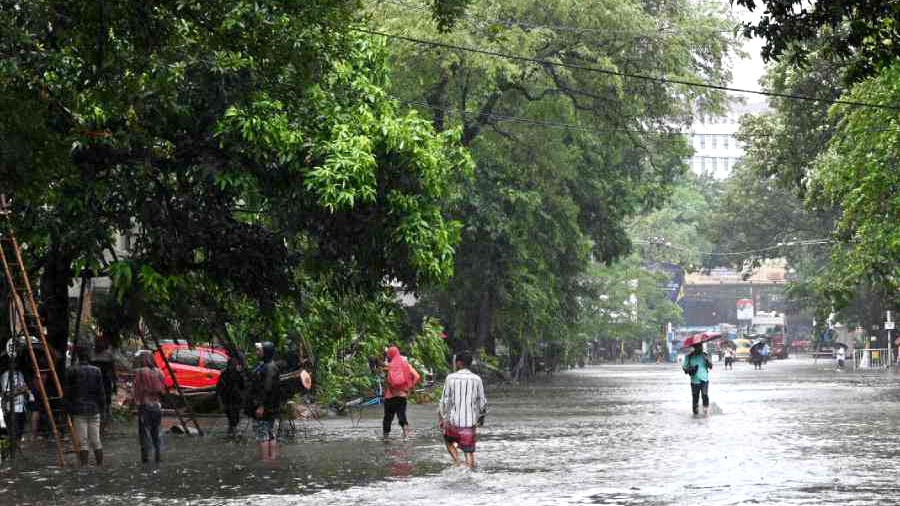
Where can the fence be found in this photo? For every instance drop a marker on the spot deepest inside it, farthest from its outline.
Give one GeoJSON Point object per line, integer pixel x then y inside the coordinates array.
{"type": "Point", "coordinates": [878, 358]}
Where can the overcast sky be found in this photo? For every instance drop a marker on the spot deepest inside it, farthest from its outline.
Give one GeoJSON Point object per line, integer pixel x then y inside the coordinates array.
{"type": "Point", "coordinates": [746, 72]}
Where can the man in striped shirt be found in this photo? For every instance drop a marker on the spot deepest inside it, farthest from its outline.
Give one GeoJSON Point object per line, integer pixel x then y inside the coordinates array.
{"type": "Point", "coordinates": [462, 409]}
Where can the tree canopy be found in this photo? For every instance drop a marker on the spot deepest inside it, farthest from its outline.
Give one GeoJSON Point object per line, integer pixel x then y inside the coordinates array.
{"type": "Point", "coordinates": [247, 150]}
{"type": "Point", "coordinates": [564, 156]}
{"type": "Point", "coordinates": [865, 33]}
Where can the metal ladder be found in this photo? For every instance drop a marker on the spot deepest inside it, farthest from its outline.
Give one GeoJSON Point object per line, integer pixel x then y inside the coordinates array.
{"type": "Point", "coordinates": [26, 318]}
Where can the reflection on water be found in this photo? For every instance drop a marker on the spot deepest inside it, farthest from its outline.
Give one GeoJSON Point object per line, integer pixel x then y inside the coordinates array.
{"type": "Point", "coordinates": [794, 433]}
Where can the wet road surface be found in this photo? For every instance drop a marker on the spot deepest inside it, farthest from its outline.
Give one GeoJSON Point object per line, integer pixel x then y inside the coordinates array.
{"type": "Point", "coordinates": [794, 433]}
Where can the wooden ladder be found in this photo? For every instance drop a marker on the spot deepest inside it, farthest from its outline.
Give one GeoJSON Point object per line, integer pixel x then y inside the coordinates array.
{"type": "Point", "coordinates": [26, 318]}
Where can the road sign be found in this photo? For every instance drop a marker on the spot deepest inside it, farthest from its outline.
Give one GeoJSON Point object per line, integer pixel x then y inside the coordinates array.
{"type": "Point", "coordinates": [889, 326]}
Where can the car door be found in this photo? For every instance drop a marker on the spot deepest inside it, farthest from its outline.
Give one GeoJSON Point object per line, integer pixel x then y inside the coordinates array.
{"type": "Point", "coordinates": [186, 364]}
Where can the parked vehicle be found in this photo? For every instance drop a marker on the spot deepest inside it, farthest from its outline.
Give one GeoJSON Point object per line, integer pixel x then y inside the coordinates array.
{"type": "Point", "coordinates": [771, 326]}
{"type": "Point", "coordinates": [197, 367]}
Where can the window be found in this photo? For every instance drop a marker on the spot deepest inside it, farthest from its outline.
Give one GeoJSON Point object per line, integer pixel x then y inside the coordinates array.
{"type": "Point", "coordinates": [713, 142]}
{"type": "Point", "coordinates": [725, 142]}
{"type": "Point", "coordinates": [703, 164]}
{"type": "Point", "coordinates": [702, 142]}
{"type": "Point", "coordinates": [185, 357]}
{"type": "Point", "coordinates": [214, 361]}
{"type": "Point", "coordinates": [715, 164]}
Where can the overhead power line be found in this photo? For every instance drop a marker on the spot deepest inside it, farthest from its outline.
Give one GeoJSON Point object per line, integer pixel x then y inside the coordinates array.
{"type": "Point", "coordinates": [656, 79]}
{"type": "Point", "coordinates": [582, 128]}
{"type": "Point", "coordinates": [806, 242]}
{"type": "Point", "coordinates": [536, 122]}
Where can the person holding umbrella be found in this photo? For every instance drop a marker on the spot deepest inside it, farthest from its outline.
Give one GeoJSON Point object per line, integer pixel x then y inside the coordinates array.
{"type": "Point", "coordinates": [697, 365]}
{"type": "Point", "coordinates": [756, 355]}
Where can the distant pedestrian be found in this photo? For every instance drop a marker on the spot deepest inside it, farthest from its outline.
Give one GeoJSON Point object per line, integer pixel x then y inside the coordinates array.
{"type": "Point", "coordinates": [697, 365]}
{"type": "Point", "coordinates": [729, 358]}
{"type": "Point", "coordinates": [462, 408]}
{"type": "Point", "coordinates": [840, 356]}
{"type": "Point", "coordinates": [756, 357]}
{"type": "Point", "coordinates": [401, 379]}
{"type": "Point", "coordinates": [84, 401]}
{"type": "Point", "coordinates": [16, 396]}
{"type": "Point", "coordinates": [230, 390]}
{"type": "Point", "coordinates": [264, 400]}
{"type": "Point", "coordinates": [149, 386]}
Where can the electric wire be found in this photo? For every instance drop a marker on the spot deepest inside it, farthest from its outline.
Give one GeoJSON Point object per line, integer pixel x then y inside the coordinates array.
{"type": "Point", "coordinates": [617, 73]}
{"type": "Point", "coordinates": [806, 242]}
{"type": "Point", "coordinates": [552, 124]}
{"type": "Point", "coordinates": [574, 126]}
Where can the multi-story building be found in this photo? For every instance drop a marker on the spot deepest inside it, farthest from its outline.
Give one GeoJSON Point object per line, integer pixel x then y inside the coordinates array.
{"type": "Point", "coordinates": [716, 149]}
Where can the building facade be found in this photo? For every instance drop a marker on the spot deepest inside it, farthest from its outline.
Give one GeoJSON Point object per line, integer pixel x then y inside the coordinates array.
{"type": "Point", "coordinates": [716, 148]}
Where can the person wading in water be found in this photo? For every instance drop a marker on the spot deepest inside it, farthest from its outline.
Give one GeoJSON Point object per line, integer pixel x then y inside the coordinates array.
{"type": "Point", "coordinates": [401, 379]}
{"type": "Point", "coordinates": [149, 386]}
{"type": "Point", "coordinates": [264, 401]}
{"type": "Point", "coordinates": [462, 409]}
{"type": "Point", "coordinates": [230, 390]}
{"type": "Point", "coordinates": [84, 400]}
{"type": "Point", "coordinates": [697, 365]}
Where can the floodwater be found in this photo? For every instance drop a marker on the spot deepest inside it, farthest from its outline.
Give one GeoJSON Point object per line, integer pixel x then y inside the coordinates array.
{"type": "Point", "coordinates": [794, 433]}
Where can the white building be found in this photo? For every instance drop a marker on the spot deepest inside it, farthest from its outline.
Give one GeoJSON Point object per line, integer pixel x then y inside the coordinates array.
{"type": "Point", "coordinates": [716, 150]}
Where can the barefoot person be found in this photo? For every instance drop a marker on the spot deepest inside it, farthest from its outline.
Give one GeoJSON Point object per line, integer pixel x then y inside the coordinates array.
{"type": "Point", "coordinates": [265, 400]}
{"type": "Point", "coordinates": [401, 379]}
{"type": "Point", "coordinates": [697, 365]}
{"type": "Point", "coordinates": [230, 391]}
{"type": "Point", "coordinates": [461, 409]}
{"type": "Point", "coordinates": [149, 386]}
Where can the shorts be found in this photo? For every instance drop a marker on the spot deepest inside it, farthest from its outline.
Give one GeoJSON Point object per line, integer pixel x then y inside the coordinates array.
{"type": "Point", "coordinates": [88, 429]}
{"type": "Point", "coordinates": [464, 437]}
{"type": "Point", "coordinates": [264, 430]}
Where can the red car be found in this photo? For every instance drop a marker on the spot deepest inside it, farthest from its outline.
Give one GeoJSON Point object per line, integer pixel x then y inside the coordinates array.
{"type": "Point", "coordinates": [197, 367]}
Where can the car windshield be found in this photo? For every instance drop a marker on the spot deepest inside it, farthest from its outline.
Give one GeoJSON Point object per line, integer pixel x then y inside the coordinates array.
{"type": "Point", "coordinates": [215, 361]}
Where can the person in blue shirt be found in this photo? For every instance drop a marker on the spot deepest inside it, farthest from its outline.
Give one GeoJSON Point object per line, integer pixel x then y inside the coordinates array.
{"type": "Point", "coordinates": [697, 365]}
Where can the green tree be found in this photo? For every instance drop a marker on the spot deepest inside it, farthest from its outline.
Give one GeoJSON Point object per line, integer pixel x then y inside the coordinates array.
{"type": "Point", "coordinates": [563, 156]}
{"type": "Point", "coordinates": [248, 150]}
{"type": "Point", "coordinates": [629, 303]}
{"type": "Point", "coordinates": [861, 32]}
{"type": "Point", "coordinates": [857, 174]}
{"type": "Point", "coordinates": [675, 232]}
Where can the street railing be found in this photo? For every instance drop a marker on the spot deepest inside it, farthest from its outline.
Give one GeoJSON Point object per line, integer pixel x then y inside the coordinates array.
{"type": "Point", "coordinates": [877, 358]}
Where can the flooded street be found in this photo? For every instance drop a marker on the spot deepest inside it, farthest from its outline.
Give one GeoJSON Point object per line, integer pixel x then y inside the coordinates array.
{"type": "Point", "coordinates": [793, 433]}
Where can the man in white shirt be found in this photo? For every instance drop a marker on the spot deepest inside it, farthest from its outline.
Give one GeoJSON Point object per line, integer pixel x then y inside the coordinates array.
{"type": "Point", "coordinates": [16, 391]}
{"type": "Point", "coordinates": [462, 408]}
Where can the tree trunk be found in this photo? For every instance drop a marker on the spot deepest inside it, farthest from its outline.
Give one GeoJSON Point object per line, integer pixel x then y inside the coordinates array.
{"type": "Point", "coordinates": [484, 338]}
{"type": "Point", "coordinates": [54, 294]}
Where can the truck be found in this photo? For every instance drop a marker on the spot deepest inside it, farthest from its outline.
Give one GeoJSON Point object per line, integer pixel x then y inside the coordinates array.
{"type": "Point", "coordinates": [771, 326]}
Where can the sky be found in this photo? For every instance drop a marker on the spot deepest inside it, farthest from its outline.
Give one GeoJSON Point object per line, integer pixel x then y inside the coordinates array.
{"type": "Point", "coordinates": [746, 72]}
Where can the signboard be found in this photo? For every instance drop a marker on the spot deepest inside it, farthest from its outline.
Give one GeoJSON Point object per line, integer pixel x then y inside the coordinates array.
{"type": "Point", "coordinates": [889, 326]}
{"type": "Point", "coordinates": [744, 309]}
